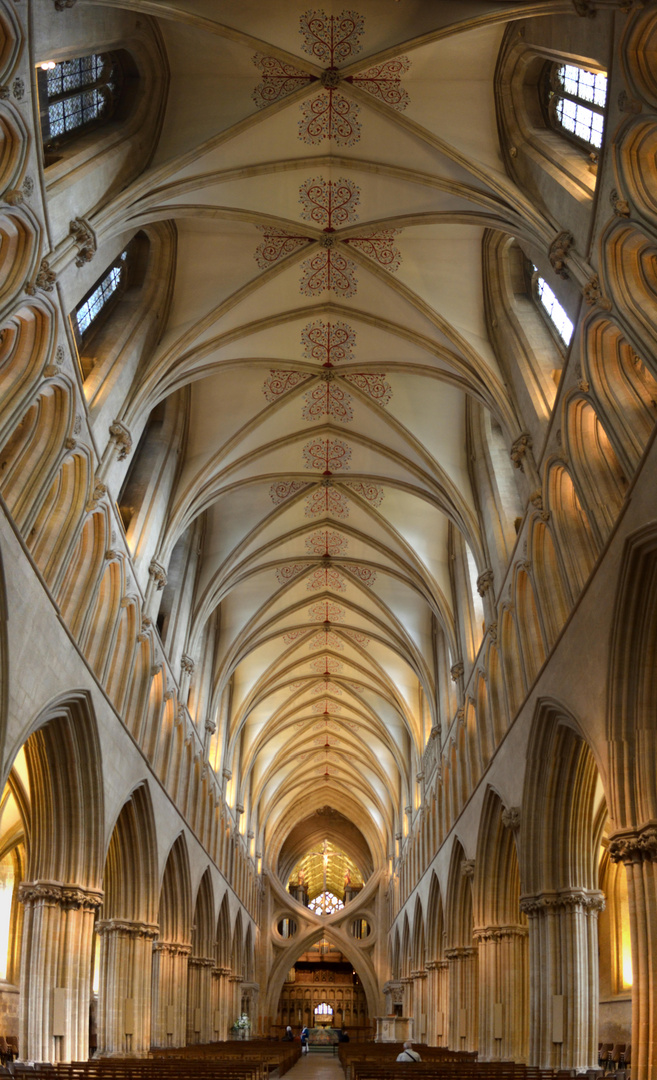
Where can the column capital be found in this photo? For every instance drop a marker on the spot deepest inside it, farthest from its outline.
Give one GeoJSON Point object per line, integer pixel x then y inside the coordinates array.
{"type": "Point", "coordinates": [635, 845]}
{"type": "Point", "coordinates": [128, 928]}
{"type": "Point", "coordinates": [587, 900]}
{"type": "Point", "coordinates": [483, 934]}
{"type": "Point", "coordinates": [56, 894]}
{"type": "Point", "coordinates": [174, 948]}
{"type": "Point", "coordinates": [202, 961]}
{"type": "Point", "coordinates": [462, 952]}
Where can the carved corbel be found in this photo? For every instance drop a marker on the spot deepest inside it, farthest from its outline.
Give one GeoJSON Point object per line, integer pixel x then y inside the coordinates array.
{"type": "Point", "coordinates": [619, 205]}
{"type": "Point", "coordinates": [186, 664]}
{"type": "Point", "coordinates": [456, 671]}
{"type": "Point", "coordinates": [62, 5]}
{"type": "Point", "coordinates": [558, 252]}
{"type": "Point", "coordinates": [85, 240]}
{"type": "Point", "coordinates": [594, 295]}
{"type": "Point", "coordinates": [484, 582]}
{"type": "Point", "coordinates": [44, 280]}
{"type": "Point", "coordinates": [467, 868]}
{"type": "Point", "coordinates": [511, 818]}
{"type": "Point", "coordinates": [536, 499]}
{"type": "Point", "coordinates": [157, 573]}
{"type": "Point", "coordinates": [122, 438]}
{"type": "Point", "coordinates": [520, 449]}
{"type": "Point", "coordinates": [99, 492]}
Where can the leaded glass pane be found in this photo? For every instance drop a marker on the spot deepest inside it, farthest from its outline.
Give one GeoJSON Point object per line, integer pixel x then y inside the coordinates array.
{"type": "Point", "coordinates": [573, 87]}
{"type": "Point", "coordinates": [92, 307]}
{"type": "Point", "coordinates": [554, 310]}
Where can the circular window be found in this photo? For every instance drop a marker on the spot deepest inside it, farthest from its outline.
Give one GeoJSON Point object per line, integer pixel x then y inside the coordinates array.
{"type": "Point", "coordinates": [360, 928]}
{"type": "Point", "coordinates": [286, 927]}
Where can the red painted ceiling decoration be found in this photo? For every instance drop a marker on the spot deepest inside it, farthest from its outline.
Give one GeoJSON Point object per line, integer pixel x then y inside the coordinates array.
{"type": "Point", "coordinates": [326, 611]}
{"type": "Point", "coordinates": [360, 639]}
{"type": "Point", "coordinates": [327, 204]}
{"type": "Point", "coordinates": [328, 271]}
{"type": "Point", "coordinates": [327, 664]}
{"type": "Point", "coordinates": [289, 571]}
{"type": "Point", "coordinates": [327, 455]}
{"type": "Point", "coordinates": [328, 343]}
{"type": "Point", "coordinates": [279, 382]}
{"type": "Point", "coordinates": [324, 706]}
{"type": "Point", "coordinates": [326, 639]}
{"type": "Point", "coordinates": [294, 635]}
{"type": "Point", "coordinates": [331, 41]}
{"type": "Point", "coordinates": [327, 500]}
{"type": "Point", "coordinates": [326, 542]}
{"type": "Point", "coordinates": [284, 489]}
{"type": "Point", "coordinates": [373, 493]}
{"type": "Point", "coordinates": [365, 575]}
{"type": "Point", "coordinates": [330, 399]}
{"type": "Point", "coordinates": [277, 244]}
{"type": "Point", "coordinates": [326, 577]}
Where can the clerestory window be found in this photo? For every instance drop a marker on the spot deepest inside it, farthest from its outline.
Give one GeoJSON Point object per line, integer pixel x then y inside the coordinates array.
{"type": "Point", "coordinates": [76, 95]}
{"type": "Point", "coordinates": [575, 100]}
{"type": "Point", "coordinates": [110, 286]}
{"type": "Point", "coordinates": [552, 311]}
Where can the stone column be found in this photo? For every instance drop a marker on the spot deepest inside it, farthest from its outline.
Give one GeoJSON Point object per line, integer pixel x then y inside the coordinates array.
{"type": "Point", "coordinates": [55, 984]}
{"type": "Point", "coordinates": [563, 970]}
{"type": "Point", "coordinates": [436, 1002]}
{"type": "Point", "coordinates": [463, 998]}
{"type": "Point", "coordinates": [503, 993]}
{"type": "Point", "coordinates": [637, 849]}
{"type": "Point", "coordinates": [234, 998]}
{"type": "Point", "coordinates": [418, 992]}
{"type": "Point", "coordinates": [169, 998]}
{"type": "Point", "coordinates": [199, 998]}
{"type": "Point", "coordinates": [225, 1001]}
{"type": "Point", "coordinates": [126, 959]}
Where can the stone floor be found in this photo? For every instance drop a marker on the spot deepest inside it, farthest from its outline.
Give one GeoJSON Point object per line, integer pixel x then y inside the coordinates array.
{"type": "Point", "coordinates": [316, 1067]}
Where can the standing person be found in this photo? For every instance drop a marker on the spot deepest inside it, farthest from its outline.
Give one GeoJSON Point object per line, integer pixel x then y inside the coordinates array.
{"type": "Point", "coordinates": [304, 1040]}
{"type": "Point", "coordinates": [288, 1036]}
{"type": "Point", "coordinates": [408, 1054]}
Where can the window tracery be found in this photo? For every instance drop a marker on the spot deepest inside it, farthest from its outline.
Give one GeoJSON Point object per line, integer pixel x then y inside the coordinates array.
{"type": "Point", "coordinates": [554, 314]}
{"type": "Point", "coordinates": [576, 99]}
{"type": "Point", "coordinates": [76, 94]}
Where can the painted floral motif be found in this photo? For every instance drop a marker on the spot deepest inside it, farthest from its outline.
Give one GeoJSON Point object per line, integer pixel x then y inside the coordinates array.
{"type": "Point", "coordinates": [327, 664]}
{"type": "Point", "coordinates": [327, 455]}
{"type": "Point", "coordinates": [327, 740]}
{"type": "Point", "coordinates": [327, 204]}
{"type": "Point", "coordinates": [331, 39]}
{"type": "Point", "coordinates": [326, 706]}
{"type": "Point", "coordinates": [328, 687]}
{"type": "Point", "coordinates": [289, 572]}
{"type": "Point", "coordinates": [371, 492]}
{"type": "Point", "coordinates": [383, 81]}
{"type": "Point", "coordinates": [329, 115]}
{"type": "Point", "coordinates": [294, 635]}
{"type": "Point", "coordinates": [326, 542]}
{"type": "Point", "coordinates": [365, 574]}
{"type": "Point", "coordinates": [379, 247]}
{"type": "Point", "coordinates": [328, 398]}
{"type": "Point", "coordinates": [326, 577]}
{"type": "Point", "coordinates": [326, 612]}
{"type": "Point", "coordinates": [327, 500]}
{"type": "Point", "coordinates": [328, 271]}
{"type": "Point", "coordinates": [360, 639]}
{"type": "Point", "coordinates": [326, 639]}
{"type": "Point", "coordinates": [278, 383]}
{"type": "Point", "coordinates": [296, 685]}
{"type": "Point", "coordinates": [328, 343]}
{"type": "Point", "coordinates": [374, 385]}
{"type": "Point", "coordinates": [278, 80]}
{"type": "Point", "coordinates": [277, 244]}
{"type": "Point", "coordinates": [281, 490]}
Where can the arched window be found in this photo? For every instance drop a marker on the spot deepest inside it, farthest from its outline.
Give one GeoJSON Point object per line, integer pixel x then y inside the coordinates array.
{"type": "Point", "coordinates": [77, 94]}
{"type": "Point", "coordinates": [575, 100]}
{"type": "Point", "coordinates": [552, 311]}
{"type": "Point", "coordinates": [96, 301]}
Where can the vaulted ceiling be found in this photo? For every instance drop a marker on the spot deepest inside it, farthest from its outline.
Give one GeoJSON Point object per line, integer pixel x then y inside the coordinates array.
{"type": "Point", "coordinates": [331, 173]}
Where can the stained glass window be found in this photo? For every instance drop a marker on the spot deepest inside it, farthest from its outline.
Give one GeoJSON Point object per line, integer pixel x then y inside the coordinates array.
{"type": "Point", "coordinates": [91, 308]}
{"type": "Point", "coordinates": [576, 102]}
{"type": "Point", "coordinates": [79, 92]}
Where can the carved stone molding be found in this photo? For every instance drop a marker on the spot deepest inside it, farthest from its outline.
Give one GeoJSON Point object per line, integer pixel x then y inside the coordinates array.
{"type": "Point", "coordinates": [484, 934]}
{"type": "Point", "coordinates": [157, 573]}
{"type": "Point", "coordinates": [536, 499]}
{"type": "Point", "coordinates": [635, 845]}
{"type": "Point", "coordinates": [564, 900]}
{"type": "Point", "coordinates": [594, 295]}
{"type": "Point", "coordinates": [210, 727]}
{"type": "Point", "coordinates": [62, 5]}
{"type": "Point", "coordinates": [558, 253]}
{"type": "Point", "coordinates": [467, 868]}
{"type": "Point", "coordinates": [128, 928]}
{"type": "Point", "coordinates": [122, 438]}
{"type": "Point", "coordinates": [511, 817]}
{"type": "Point", "coordinates": [186, 664]}
{"type": "Point", "coordinates": [456, 671]}
{"type": "Point", "coordinates": [201, 961]}
{"type": "Point", "coordinates": [519, 450]}
{"type": "Point", "coordinates": [173, 948]}
{"type": "Point", "coordinates": [85, 240]}
{"type": "Point", "coordinates": [484, 581]}
{"type": "Point", "coordinates": [619, 205]}
{"type": "Point", "coordinates": [14, 196]}
{"type": "Point", "coordinates": [420, 974]}
{"type": "Point", "coordinates": [492, 631]}
{"type": "Point", "coordinates": [44, 280]}
{"type": "Point", "coordinates": [54, 894]}
{"type": "Point", "coordinates": [463, 952]}
{"type": "Point", "coordinates": [239, 808]}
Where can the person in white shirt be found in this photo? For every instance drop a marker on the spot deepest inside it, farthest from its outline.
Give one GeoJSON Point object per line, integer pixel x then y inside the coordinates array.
{"type": "Point", "coordinates": [408, 1054]}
